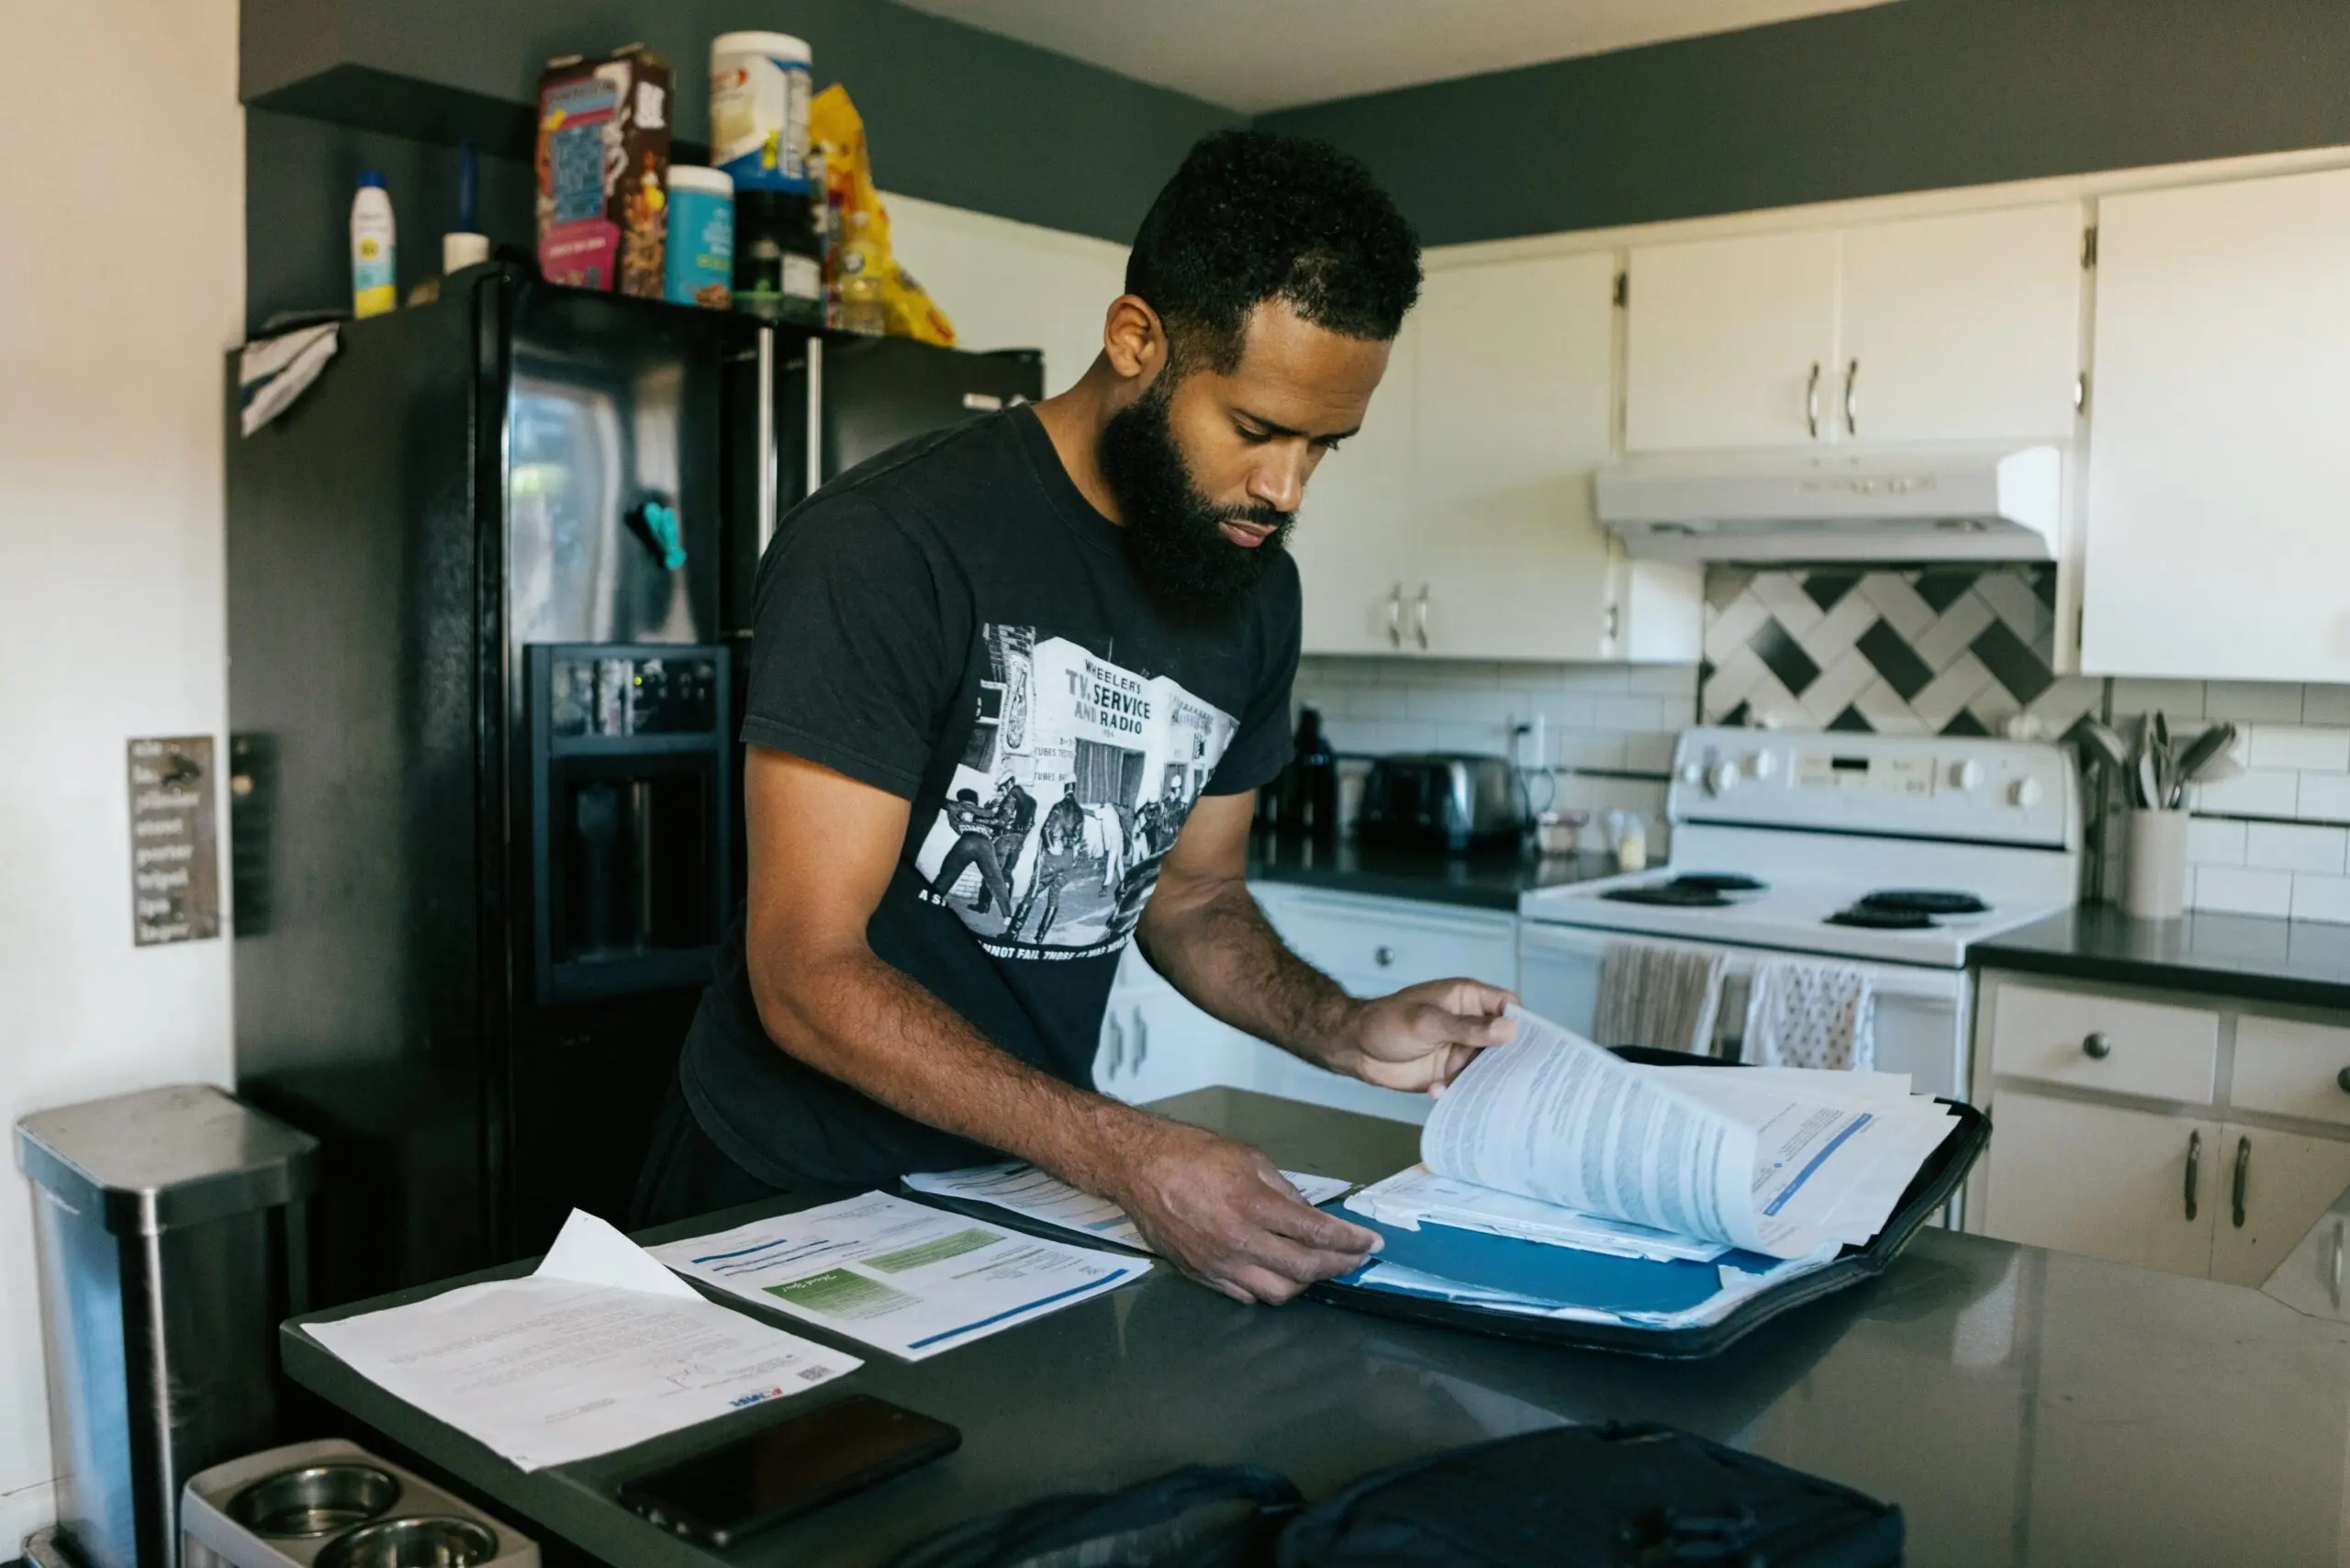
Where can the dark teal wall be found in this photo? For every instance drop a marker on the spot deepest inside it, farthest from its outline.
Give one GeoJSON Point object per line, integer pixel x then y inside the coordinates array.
{"type": "Point", "coordinates": [1920, 95]}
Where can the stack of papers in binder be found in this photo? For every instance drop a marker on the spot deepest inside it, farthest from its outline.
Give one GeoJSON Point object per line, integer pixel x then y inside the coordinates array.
{"type": "Point", "coordinates": [1558, 1180]}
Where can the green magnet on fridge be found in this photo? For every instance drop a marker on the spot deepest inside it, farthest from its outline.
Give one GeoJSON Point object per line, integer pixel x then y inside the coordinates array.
{"type": "Point", "coordinates": [656, 523]}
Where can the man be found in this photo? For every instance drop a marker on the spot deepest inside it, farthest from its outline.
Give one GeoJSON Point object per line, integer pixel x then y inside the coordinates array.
{"type": "Point", "coordinates": [1059, 846]}
{"type": "Point", "coordinates": [1015, 814]}
{"type": "Point", "coordinates": [1128, 537]}
{"type": "Point", "coordinates": [978, 835]}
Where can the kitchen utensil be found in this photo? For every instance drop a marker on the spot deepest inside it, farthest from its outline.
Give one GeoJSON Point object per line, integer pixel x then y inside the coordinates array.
{"type": "Point", "coordinates": [2214, 743]}
{"type": "Point", "coordinates": [2163, 757]}
{"type": "Point", "coordinates": [2103, 744]}
{"type": "Point", "coordinates": [2149, 790]}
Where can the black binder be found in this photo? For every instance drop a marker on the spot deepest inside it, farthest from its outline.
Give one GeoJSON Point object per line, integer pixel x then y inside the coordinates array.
{"type": "Point", "coordinates": [1931, 1188]}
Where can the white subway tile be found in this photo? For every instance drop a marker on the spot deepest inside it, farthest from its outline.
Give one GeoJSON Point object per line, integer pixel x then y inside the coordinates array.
{"type": "Point", "coordinates": [2233, 890]}
{"type": "Point", "coordinates": [2258, 701]}
{"type": "Point", "coordinates": [1649, 753]}
{"type": "Point", "coordinates": [2322, 898]}
{"type": "Point", "coordinates": [2176, 698]}
{"type": "Point", "coordinates": [1588, 749]}
{"type": "Point", "coordinates": [1629, 714]}
{"type": "Point", "coordinates": [2295, 847]}
{"type": "Point", "coordinates": [1676, 682]}
{"type": "Point", "coordinates": [2324, 797]}
{"type": "Point", "coordinates": [2325, 704]}
{"type": "Point", "coordinates": [1571, 712]}
{"type": "Point", "coordinates": [2260, 793]}
{"type": "Point", "coordinates": [2314, 751]}
{"type": "Point", "coordinates": [2215, 841]}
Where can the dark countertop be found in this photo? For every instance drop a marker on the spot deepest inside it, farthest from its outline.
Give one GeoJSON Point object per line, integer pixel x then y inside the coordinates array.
{"type": "Point", "coordinates": [2021, 1406]}
{"type": "Point", "coordinates": [1484, 880]}
{"type": "Point", "coordinates": [2302, 962]}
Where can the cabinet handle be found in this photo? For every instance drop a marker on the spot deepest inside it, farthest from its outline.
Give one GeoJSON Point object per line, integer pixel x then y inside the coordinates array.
{"type": "Point", "coordinates": [1420, 618]}
{"type": "Point", "coordinates": [1811, 401]}
{"type": "Point", "coordinates": [1615, 629]}
{"type": "Point", "coordinates": [2244, 1169]}
{"type": "Point", "coordinates": [2334, 1280]}
{"type": "Point", "coordinates": [1117, 1049]}
{"type": "Point", "coordinates": [1142, 1042]}
{"type": "Point", "coordinates": [2097, 1048]}
{"type": "Point", "coordinates": [2194, 1160]}
{"type": "Point", "coordinates": [1384, 957]}
{"type": "Point", "coordinates": [1395, 616]}
{"type": "Point", "coordinates": [1853, 398]}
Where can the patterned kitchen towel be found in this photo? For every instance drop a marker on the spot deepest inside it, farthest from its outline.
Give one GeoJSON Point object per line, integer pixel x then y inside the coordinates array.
{"type": "Point", "coordinates": [1805, 1014]}
{"type": "Point", "coordinates": [1662, 997]}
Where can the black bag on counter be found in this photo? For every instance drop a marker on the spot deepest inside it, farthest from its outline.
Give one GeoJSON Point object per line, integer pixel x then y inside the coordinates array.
{"type": "Point", "coordinates": [1200, 1517]}
{"type": "Point", "coordinates": [1615, 1497]}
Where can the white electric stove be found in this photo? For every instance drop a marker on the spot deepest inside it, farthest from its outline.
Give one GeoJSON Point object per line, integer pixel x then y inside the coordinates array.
{"type": "Point", "coordinates": [1889, 853]}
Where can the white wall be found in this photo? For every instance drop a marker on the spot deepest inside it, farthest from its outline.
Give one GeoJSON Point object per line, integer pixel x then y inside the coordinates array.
{"type": "Point", "coordinates": [1011, 285]}
{"type": "Point", "coordinates": [121, 280]}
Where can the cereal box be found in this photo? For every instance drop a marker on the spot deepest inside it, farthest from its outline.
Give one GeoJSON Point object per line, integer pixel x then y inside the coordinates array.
{"type": "Point", "coordinates": [602, 165]}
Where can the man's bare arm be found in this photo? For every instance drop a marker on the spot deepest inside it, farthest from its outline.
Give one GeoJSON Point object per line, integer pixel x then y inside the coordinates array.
{"type": "Point", "coordinates": [1205, 933]}
{"type": "Point", "coordinates": [822, 848]}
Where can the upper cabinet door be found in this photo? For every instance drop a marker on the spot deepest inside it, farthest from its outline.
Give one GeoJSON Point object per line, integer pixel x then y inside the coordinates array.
{"type": "Point", "coordinates": [1516, 384]}
{"type": "Point", "coordinates": [1352, 540]}
{"type": "Point", "coordinates": [2219, 475]}
{"type": "Point", "coordinates": [1965, 328]}
{"type": "Point", "coordinates": [1733, 342]}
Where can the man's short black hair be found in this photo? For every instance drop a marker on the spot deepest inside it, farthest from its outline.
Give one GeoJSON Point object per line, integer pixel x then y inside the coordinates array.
{"type": "Point", "coordinates": [1252, 217]}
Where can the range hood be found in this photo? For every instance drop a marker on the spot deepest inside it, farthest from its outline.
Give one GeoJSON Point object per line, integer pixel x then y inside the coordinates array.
{"type": "Point", "coordinates": [1957, 502]}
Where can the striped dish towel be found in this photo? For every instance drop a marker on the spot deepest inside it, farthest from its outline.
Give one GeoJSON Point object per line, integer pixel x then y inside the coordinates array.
{"type": "Point", "coordinates": [1662, 997]}
{"type": "Point", "coordinates": [1803, 1015]}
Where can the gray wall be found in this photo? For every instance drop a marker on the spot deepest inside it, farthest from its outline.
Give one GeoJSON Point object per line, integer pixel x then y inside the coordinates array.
{"type": "Point", "coordinates": [1920, 95]}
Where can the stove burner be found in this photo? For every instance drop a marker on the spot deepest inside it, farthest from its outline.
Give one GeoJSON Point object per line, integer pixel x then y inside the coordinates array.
{"type": "Point", "coordinates": [1672, 895]}
{"type": "Point", "coordinates": [1923, 901]}
{"type": "Point", "coordinates": [1720, 882]}
{"type": "Point", "coordinates": [1875, 917]}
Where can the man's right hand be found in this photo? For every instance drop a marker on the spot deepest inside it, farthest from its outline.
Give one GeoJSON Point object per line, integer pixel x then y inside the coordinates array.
{"type": "Point", "coordinates": [1225, 1214]}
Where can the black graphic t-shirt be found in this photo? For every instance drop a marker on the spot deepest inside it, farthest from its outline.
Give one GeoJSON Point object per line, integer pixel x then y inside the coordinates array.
{"type": "Point", "coordinates": [955, 623]}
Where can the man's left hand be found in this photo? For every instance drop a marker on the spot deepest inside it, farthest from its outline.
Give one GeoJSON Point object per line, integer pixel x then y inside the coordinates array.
{"type": "Point", "coordinates": [1420, 1039]}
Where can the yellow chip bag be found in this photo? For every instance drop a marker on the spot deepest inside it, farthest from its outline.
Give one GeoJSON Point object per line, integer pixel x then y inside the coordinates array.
{"type": "Point", "coordinates": [861, 258]}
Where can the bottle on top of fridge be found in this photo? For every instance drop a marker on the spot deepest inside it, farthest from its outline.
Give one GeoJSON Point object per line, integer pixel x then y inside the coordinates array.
{"type": "Point", "coordinates": [862, 309]}
{"type": "Point", "coordinates": [375, 273]}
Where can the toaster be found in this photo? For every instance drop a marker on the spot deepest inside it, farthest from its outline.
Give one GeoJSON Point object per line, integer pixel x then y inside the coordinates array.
{"type": "Point", "coordinates": [1446, 801]}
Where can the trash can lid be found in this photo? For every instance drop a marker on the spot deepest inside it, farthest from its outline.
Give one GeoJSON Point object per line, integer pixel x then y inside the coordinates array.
{"type": "Point", "coordinates": [164, 1157]}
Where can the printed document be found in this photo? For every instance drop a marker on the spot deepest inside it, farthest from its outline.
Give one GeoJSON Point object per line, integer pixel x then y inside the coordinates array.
{"type": "Point", "coordinates": [601, 1349]}
{"type": "Point", "coordinates": [900, 1276]}
{"type": "Point", "coordinates": [1751, 1159]}
{"type": "Point", "coordinates": [1025, 1191]}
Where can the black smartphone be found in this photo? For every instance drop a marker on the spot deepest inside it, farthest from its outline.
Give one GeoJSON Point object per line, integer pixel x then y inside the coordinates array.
{"type": "Point", "coordinates": [731, 1493]}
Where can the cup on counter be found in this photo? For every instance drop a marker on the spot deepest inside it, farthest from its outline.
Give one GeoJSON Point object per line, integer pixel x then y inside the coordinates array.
{"type": "Point", "coordinates": [1558, 835]}
{"type": "Point", "coordinates": [2154, 866]}
{"type": "Point", "coordinates": [1627, 836]}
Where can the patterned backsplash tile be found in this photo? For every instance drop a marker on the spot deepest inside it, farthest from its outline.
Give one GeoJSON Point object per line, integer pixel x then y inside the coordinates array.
{"type": "Point", "coordinates": [1934, 650]}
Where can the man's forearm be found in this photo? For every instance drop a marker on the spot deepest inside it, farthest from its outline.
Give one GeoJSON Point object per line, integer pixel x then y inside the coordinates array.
{"type": "Point", "coordinates": [855, 1018]}
{"type": "Point", "coordinates": [1223, 954]}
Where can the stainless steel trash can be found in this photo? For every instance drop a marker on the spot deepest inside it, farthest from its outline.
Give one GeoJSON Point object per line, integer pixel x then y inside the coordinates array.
{"type": "Point", "coordinates": [168, 1225]}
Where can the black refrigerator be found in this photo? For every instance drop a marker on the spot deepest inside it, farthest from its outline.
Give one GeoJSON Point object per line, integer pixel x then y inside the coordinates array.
{"type": "Point", "coordinates": [488, 601]}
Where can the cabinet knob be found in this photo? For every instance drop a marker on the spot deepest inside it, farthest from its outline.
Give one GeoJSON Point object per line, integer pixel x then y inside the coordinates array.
{"type": "Point", "coordinates": [1385, 958]}
{"type": "Point", "coordinates": [2342, 1077]}
{"type": "Point", "coordinates": [2097, 1048]}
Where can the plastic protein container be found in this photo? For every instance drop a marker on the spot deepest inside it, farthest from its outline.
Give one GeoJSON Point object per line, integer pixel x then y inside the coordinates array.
{"type": "Point", "coordinates": [758, 110]}
{"type": "Point", "coordinates": [700, 266]}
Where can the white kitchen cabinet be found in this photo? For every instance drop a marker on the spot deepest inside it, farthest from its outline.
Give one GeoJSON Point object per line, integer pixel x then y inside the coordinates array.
{"type": "Point", "coordinates": [2285, 1181]}
{"type": "Point", "coordinates": [1458, 522]}
{"type": "Point", "coordinates": [1007, 284]}
{"type": "Point", "coordinates": [1155, 1043]}
{"type": "Point", "coordinates": [1515, 393]}
{"type": "Point", "coordinates": [2103, 1181]}
{"type": "Point", "coordinates": [1353, 538]}
{"type": "Point", "coordinates": [1964, 328]}
{"type": "Point", "coordinates": [1957, 328]}
{"type": "Point", "coordinates": [2219, 477]}
{"type": "Point", "coordinates": [1733, 342]}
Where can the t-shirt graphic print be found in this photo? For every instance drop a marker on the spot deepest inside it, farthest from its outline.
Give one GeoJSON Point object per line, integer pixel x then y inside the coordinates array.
{"type": "Point", "coordinates": [1077, 777]}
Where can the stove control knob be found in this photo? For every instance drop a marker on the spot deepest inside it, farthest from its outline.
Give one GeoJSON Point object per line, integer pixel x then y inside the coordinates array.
{"type": "Point", "coordinates": [1692, 773]}
{"type": "Point", "coordinates": [2024, 792]}
{"type": "Point", "coordinates": [1967, 776]}
{"type": "Point", "coordinates": [1763, 764]}
{"type": "Point", "coordinates": [1723, 777]}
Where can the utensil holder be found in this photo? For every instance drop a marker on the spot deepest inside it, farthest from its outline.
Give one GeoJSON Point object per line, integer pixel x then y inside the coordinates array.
{"type": "Point", "coordinates": [2153, 869]}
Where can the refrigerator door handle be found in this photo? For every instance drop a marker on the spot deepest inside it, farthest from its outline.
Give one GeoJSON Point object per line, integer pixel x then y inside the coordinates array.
{"type": "Point", "coordinates": [766, 448]}
{"type": "Point", "coordinates": [816, 415]}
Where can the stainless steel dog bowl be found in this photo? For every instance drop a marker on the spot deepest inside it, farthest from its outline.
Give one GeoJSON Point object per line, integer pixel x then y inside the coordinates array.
{"type": "Point", "coordinates": [315, 1500]}
{"type": "Point", "coordinates": [431, 1540]}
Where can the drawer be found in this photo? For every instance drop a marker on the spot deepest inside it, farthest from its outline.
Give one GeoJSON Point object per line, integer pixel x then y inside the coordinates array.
{"type": "Point", "coordinates": [2294, 1070]}
{"type": "Point", "coordinates": [1388, 942]}
{"type": "Point", "coordinates": [2167, 1053]}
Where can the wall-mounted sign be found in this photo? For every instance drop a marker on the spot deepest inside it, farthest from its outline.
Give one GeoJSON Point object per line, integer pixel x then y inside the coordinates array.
{"type": "Point", "coordinates": [174, 856]}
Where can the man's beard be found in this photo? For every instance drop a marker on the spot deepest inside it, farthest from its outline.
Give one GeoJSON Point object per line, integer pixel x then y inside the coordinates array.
{"type": "Point", "coordinates": [1173, 532]}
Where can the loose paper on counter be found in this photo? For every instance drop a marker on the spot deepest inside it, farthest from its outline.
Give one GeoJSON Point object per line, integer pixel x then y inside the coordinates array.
{"type": "Point", "coordinates": [900, 1276]}
{"type": "Point", "coordinates": [1021, 1188]}
{"type": "Point", "coordinates": [601, 1347]}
